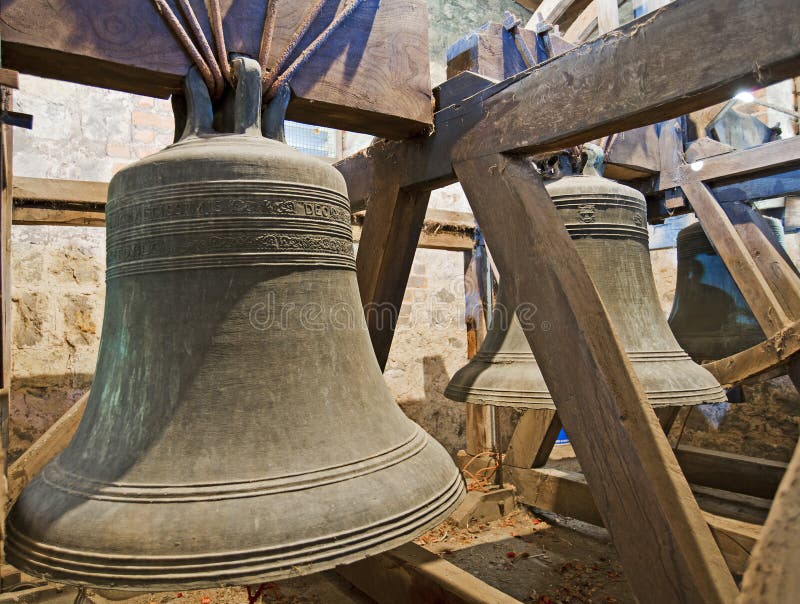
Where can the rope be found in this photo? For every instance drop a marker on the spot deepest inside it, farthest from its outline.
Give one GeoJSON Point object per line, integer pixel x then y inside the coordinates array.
{"type": "Point", "coordinates": [215, 16]}
{"type": "Point", "coordinates": [216, 69]}
{"type": "Point", "coordinates": [312, 48]}
{"type": "Point", "coordinates": [266, 36]}
{"type": "Point", "coordinates": [205, 49]}
{"type": "Point", "coordinates": [183, 37]}
{"type": "Point", "coordinates": [478, 481]}
{"type": "Point", "coordinates": [271, 74]}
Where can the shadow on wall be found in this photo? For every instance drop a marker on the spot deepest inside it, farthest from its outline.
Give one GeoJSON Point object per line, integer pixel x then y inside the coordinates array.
{"type": "Point", "coordinates": [440, 417]}
{"type": "Point", "coordinates": [444, 419]}
{"type": "Point", "coordinates": [37, 401]}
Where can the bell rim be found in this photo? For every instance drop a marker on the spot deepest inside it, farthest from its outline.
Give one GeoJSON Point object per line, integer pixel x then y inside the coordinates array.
{"type": "Point", "coordinates": [324, 553]}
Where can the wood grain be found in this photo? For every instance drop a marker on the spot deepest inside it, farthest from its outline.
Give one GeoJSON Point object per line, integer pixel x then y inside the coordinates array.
{"type": "Point", "coordinates": [730, 472]}
{"type": "Point", "coordinates": [642, 495]}
{"type": "Point", "coordinates": [411, 573]}
{"type": "Point", "coordinates": [567, 493]}
{"type": "Point", "coordinates": [772, 577]}
{"type": "Point", "coordinates": [533, 438]}
{"type": "Point", "coordinates": [784, 153]}
{"type": "Point", "coordinates": [679, 58]}
{"type": "Point", "coordinates": [585, 94]}
{"type": "Point", "coordinates": [372, 74]}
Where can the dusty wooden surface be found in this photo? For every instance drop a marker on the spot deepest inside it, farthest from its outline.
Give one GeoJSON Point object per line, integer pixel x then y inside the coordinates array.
{"type": "Point", "coordinates": [533, 439]}
{"type": "Point", "coordinates": [372, 75]}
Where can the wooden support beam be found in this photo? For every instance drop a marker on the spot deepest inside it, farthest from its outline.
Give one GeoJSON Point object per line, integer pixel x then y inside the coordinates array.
{"type": "Point", "coordinates": [410, 573]}
{"type": "Point", "coordinates": [583, 26]}
{"type": "Point", "coordinates": [670, 146]}
{"type": "Point", "coordinates": [772, 577]}
{"type": "Point", "coordinates": [61, 191]}
{"type": "Point", "coordinates": [371, 75]}
{"type": "Point", "coordinates": [607, 15]}
{"type": "Point", "coordinates": [736, 165]}
{"type": "Point", "coordinates": [556, 104]}
{"type": "Point", "coordinates": [567, 493]}
{"type": "Point", "coordinates": [480, 424]}
{"type": "Point", "coordinates": [633, 154]}
{"type": "Point", "coordinates": [6, 203]}
{"type": "Point", "coordinates": [618, 439]}
{"type": "Point", "coordinates": [730, 472]}
{"type": "Point", "coordinates": [389, 237]}
{"type": "Point", "coordinates": [46, 448]}
{"type": "Point", "coordinates": [557, 12]}
{"type": "Point", "coordinates": [533, 439]}
{"type": "Point", "coordinates": [665, 78]}
{"type": "Point", "coordinates": [761, 359]}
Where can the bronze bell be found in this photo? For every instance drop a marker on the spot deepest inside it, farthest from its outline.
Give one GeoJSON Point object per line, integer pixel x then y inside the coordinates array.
{"type": "Point", "coordinates": [710, 317]}
{"type": "Point", "coordinates": [239, 428]}
{"type": "Point", "coordinates": [608, 223]}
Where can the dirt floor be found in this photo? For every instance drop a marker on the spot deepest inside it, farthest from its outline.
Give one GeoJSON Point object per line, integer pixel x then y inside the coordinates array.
{"type": "Point", "coordinates": [533, 559]}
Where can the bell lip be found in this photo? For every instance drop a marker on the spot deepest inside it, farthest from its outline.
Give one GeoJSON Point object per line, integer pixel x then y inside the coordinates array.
{"type": "Point", "coordinates": [324, 555]}
{"type": "Point", "coordinates": [536, 399]}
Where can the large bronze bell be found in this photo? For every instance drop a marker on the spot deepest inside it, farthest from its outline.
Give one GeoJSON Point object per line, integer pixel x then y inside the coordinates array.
{"type": "Point", "coordinates": [710, 317]}
{"type": "Point", "coordinates": [239, 428]}
{"type": "Point", "coordinates": [608, 223]}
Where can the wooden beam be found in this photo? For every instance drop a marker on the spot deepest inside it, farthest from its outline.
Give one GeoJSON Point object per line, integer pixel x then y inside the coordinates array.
{"type": "Point", "coordinates": [9, 78]}
{"type": "Point", "coordinates": [567, 493]}
{"type": "Point", "coordinates": [557, 12]}
{"type": "Point", "coordinates": [670, 145]}
{"type": "Point", "coordinates": [607, 15]}
{"type": "Point", "coordinates": [533, 439]}
{"type": "Point", "coordinates": [45, 449]}
{"type": "Point", "coordinates": [410, 573]}
{"type": "Point", "coordinates": [633, 154]}
{"type": "Point", "coordinates": [750, 364]}
{"type": "Point", "coordinates": [783, 153]}
{"type": "Point", "coordinates": [51, 190]}
{"type": "Point", "coordinates": [583, 26]}
{"type": "Point", "coordinates": [389, 237]}
{"type": "Point", "coordinates": [665, 79]}
{"type": "Point", "coordinates": [58, 217]}
{"type": "Point", "coordinates": [772, 577]}
{"type": "Point", "coordinates": [644, 499]}
{"type": "Point", "coordinates": [556, 105]}
{"type": "Point", "coordinates": [6, 203]}
{"type": "Point", "coordinates": [730, 472]}
{"type": "Point", "coordinates": [370, 76]}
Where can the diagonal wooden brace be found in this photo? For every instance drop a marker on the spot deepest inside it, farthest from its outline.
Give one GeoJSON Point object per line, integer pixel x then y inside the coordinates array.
{"type": "Point", "coordinates": [643, 498]}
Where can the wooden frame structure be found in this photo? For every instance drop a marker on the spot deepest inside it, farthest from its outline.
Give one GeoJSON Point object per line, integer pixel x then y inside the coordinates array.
{"type": "Point", "coordinates": [639, 490]}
